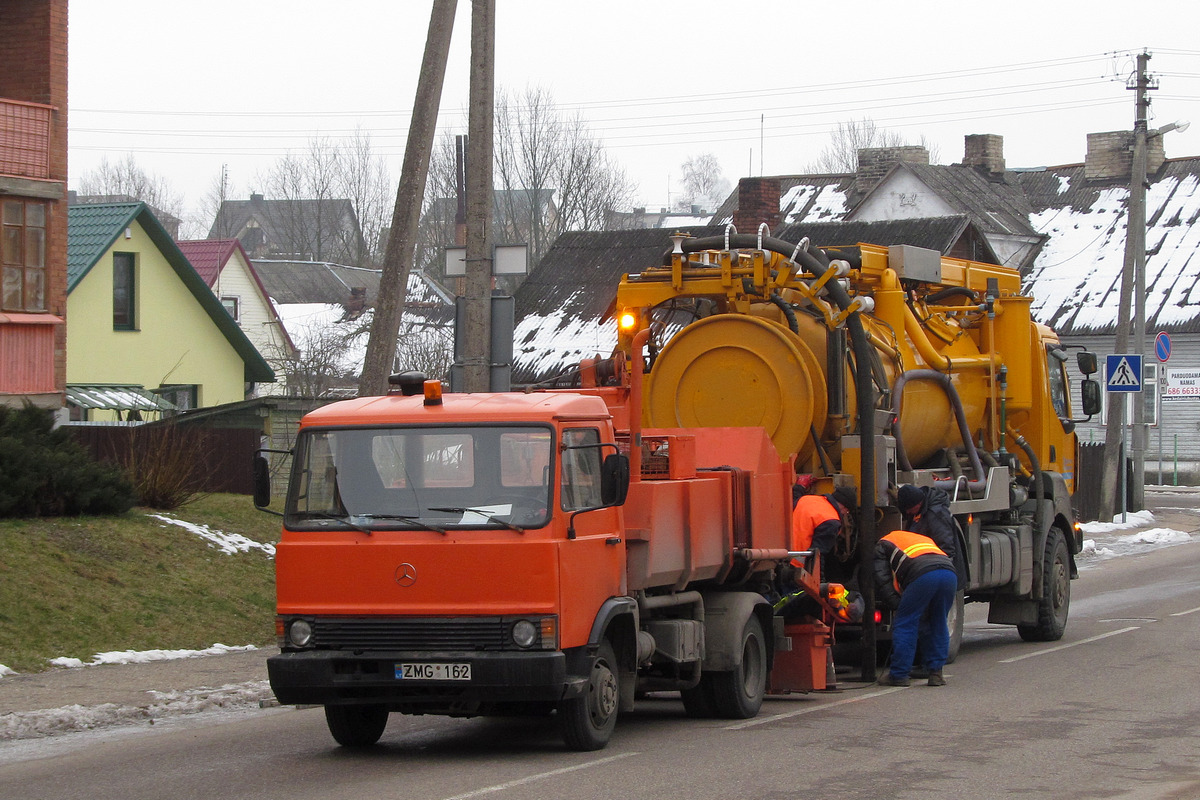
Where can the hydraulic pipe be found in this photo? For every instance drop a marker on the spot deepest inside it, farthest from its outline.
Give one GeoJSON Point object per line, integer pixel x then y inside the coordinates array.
{"type": "Point", "coordinates": [960, 417]}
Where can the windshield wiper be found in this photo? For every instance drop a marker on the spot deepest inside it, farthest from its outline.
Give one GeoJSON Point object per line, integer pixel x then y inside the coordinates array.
{"type": "Point", "coordinates": [415, 519]}
{"type": "Point", "coordinates": [351, 520]}
{"type": "Point", "coordinates": [481, 512]}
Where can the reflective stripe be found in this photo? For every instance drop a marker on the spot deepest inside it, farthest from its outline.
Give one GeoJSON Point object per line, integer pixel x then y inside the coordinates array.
{"type": "Point", "coordinates": [919, 548]}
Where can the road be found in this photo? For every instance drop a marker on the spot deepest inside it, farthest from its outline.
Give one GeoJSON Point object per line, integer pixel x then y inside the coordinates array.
{"type": "Point", "coordinates": [1112, 711]}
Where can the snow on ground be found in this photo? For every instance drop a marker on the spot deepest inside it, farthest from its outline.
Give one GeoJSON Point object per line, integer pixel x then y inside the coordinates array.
{"type": "Point", "coordinates": [73, 718]}
{"type": "Point", "coordinates": [146, 656]}
{"type": "Point", "coordinates": [1107, 543]}
{"type": "Point", "coordinates": [228, 543]}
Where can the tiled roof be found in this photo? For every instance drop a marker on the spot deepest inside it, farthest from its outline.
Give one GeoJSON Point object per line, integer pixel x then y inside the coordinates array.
{"type": "Point", "coordinates": [209, 256]}
{"type": "Point", "coordinates": [91, 230]}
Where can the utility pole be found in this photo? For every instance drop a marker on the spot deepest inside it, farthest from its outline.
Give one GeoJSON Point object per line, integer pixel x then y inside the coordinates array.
{"type": "Point", "coordinates": [478, 299]}
{"type": "Point", "coordinates": [1135, 257]}
{"type": "Point", "coordinates": [1135, 254]}
{"type": "Point", "coordinates": [406, 214]}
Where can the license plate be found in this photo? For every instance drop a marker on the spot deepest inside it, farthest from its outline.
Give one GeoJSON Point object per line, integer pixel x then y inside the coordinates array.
{"type": "Point", "coordinates": [433, 671]}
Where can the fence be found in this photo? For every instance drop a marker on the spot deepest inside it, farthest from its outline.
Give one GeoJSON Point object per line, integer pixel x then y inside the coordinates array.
{"type": "Point", "coordinates": [1089, 472]}
{"type": "Point", "coordinates": [226, 454]}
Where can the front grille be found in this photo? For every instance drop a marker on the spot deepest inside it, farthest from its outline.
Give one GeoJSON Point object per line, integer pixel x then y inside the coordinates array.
{"type": "Point", "coordinates": [383, 633]}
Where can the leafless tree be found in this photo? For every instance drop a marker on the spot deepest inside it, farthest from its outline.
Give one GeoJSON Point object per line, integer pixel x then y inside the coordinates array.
{"type": "Point", "coordinates": [322, 363]}
{"type": "Point", "coordinates": [426, 349]}
{"type": "Point", "coordinates": [218, 192]}
{"type": "Point", "coordinates": [841, 154]}
{"type": "Point", "coordinates": [365, 181]}
{"type": "Point", "coordinates": [128, 178]}
{"type": "Point", "coordinates": [704, 183]}
{"type": "Point", "coordinates": [551, 175]}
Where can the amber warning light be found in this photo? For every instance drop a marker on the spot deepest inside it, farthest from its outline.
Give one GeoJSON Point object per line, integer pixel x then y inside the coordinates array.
{"type": "Point", "coordinates": [627, 321]}
{"type": "Point", "coordinates": [433, 393]}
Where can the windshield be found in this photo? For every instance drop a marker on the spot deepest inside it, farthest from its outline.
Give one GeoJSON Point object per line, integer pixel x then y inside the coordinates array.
{"type": "Point", "coordinates": [422, 477]}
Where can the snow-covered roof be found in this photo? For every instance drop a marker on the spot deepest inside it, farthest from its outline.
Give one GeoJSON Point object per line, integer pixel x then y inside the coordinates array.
{"type": "Point", "coordinates": [1076, 278]}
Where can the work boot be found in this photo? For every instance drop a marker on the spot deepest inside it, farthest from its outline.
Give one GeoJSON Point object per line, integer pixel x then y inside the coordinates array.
{"type": "Point", "coordinates": [887, 679]}
{"type": "Point", "coordinates": [935, 678]}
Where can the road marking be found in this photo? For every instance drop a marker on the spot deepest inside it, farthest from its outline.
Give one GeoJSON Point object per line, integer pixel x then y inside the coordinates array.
{"type": "Point", "coordinates": [499, 787]}
{"type": "Point", "coordinates": [1185, 613]}
{"type": "Point", "coordinates": [1072, 644]}
{"type": "Point", "coordinates": [822, 707]}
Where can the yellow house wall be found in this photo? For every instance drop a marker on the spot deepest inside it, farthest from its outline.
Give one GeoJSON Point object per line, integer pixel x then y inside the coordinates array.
{"type": "Point", "coordinates": [174, 342]}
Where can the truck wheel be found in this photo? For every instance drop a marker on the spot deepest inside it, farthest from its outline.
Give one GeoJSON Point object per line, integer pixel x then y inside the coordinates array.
{"type": "Point", "coordinates": [954, 621]}
{"type": "Point", "coordinates": [1056, 592]}
{"type": "Point", "coordinates": [698, 701]}
{"type": "Point", "coordinates": [356, 726]}
{"type": "Point", "coordinates": [588, 720]}
{"type": "Point", "coordinates": [738, 694]}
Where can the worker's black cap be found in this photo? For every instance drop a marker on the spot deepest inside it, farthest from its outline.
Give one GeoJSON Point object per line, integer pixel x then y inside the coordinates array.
{"type": "Point", "coordinates": [846, 496]}
{"type": "Point", "coordinates": [909, 497]}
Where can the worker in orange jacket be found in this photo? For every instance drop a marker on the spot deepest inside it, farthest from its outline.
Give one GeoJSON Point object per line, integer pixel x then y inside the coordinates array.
{"type": "Point", "coordinates": [913, 575]}
{"type": "Point", "coordinates": [818, 519]}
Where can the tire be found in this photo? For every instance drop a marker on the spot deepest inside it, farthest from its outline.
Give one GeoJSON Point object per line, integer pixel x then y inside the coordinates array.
{"type": "Point", "coordinates": [954, 621]}
{"type": "Point", "coordinates": [698, 701]}
{"type": "Point", "coordinates": [738, 694]}
{"type": "Point", "coordinates": [1055, 601]}
{"type": "Point", "coordinates": [588, 720]}
{"type": "Point", "coordinates": [356, 726]}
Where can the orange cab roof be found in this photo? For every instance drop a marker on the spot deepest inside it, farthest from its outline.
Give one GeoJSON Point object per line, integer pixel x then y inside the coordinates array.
{"type": "Point", "coordinates": [459, 407]}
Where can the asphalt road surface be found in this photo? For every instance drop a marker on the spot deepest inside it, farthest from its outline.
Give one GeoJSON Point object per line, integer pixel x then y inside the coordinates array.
{"type": "Point", "coordinates": [1111, 711]}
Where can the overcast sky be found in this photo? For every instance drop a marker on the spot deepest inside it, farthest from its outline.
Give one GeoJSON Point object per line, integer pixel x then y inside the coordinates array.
{"type": "Point", "coordinates": [188, 87]}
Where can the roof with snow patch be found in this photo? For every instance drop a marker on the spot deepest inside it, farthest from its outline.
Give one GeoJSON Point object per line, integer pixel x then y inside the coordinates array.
{"type": "Point", "coordinates": [1075, 280]}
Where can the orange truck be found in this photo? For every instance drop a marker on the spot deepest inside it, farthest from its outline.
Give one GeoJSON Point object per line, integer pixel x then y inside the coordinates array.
{"type": "Point", "coordinates": [561, 552]}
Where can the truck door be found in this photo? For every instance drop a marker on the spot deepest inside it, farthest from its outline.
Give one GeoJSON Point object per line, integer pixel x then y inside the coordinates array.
{"type": "Point", "coordinates": [592, 564]}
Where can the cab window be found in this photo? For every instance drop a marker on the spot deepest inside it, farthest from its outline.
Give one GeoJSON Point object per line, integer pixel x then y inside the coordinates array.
{"type": "Point", "coordinates": [581, 469]}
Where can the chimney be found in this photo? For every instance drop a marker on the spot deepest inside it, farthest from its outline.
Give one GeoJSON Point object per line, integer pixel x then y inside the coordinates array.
{"type": "Point", "coordinates": [758, 202]}
{"type": "Point", "coordinates": [874, 163]}
{"type": "Point", "coordinates": [256, 197]}
{"type": "Point", "coordinates": [1110, 155]}
{"type": "Point", "coordinates": [985, 152]}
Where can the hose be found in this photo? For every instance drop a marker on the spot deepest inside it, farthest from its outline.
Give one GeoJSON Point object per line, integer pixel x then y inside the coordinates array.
{"type": "Point", "coordinates": [960, 417]}
{"type": "Point", "coordinates": [816, 262]}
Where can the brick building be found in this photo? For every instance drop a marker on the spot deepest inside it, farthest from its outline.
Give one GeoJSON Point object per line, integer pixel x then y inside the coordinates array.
{"type": "Point", "coordinates": [33, 210]}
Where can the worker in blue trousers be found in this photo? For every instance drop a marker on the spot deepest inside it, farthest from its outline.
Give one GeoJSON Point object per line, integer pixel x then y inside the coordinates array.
{"type": "Point", "coordinates": [915, 576]}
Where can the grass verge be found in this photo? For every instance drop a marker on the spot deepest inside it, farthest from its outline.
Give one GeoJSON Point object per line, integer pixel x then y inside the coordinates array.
{"type": "Point", "coordinates": [77, 586]}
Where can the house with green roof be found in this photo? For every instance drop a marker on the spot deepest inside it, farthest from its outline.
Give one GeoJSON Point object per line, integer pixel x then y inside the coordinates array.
{"type": "Point", "coordinates": [140, 315]}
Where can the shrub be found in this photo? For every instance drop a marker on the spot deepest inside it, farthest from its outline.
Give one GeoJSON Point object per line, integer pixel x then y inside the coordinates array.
{"type": "Point", "coordinates": [46, 473]}
{"type": "Point", "coordinates": [166, 464]}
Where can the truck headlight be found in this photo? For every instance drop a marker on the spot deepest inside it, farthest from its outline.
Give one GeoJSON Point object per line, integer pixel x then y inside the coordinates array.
{"type": "Point", "coordinates": [300, 632]}
{"type": "Point", "coordinates": [524, 633]}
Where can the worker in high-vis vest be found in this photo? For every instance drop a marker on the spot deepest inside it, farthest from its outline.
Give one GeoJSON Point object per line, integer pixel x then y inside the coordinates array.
{"type": "Point", "coordinates": [912, 575]}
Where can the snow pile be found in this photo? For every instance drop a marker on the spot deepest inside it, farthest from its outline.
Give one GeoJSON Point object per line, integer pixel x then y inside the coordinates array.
{"type": "Point", "coordinates": [1157, 536]}
{"type": "Point", "coordinates": [1134, 519]}
{"type": "Point", "coordinates": [228, 543]}
{"type": "Point", "coordinates": [1090, 550]}
{"type": "Point", "coordinates": [6, 671]}
{"type": "Point", "coordinates": [146, 656]}
{"type": "Point", "coordinates": [67, 719]}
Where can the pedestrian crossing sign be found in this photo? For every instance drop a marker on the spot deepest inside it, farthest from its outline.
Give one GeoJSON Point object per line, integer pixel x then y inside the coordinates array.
{"type": "Point", "coordinates": [1124, 372]}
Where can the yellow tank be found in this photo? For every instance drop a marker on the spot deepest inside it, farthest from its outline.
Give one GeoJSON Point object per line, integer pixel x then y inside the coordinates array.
{"type": "Point", "coordinates": [749, 364]}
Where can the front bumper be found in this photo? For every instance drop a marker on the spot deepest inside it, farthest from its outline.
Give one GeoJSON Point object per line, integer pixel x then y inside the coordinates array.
{"type": "Point", "coordinates": [319, 677]}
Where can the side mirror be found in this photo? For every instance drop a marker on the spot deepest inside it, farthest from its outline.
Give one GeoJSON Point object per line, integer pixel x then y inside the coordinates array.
{"type": "Point", "coordinates": [614, 479]}
{"type": "Point", "coordinates": [1090, 392]}
{"type": "Point", "coordinates": [1087, 365]}
{"type": "Point", "coordinates": [262, 482]}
